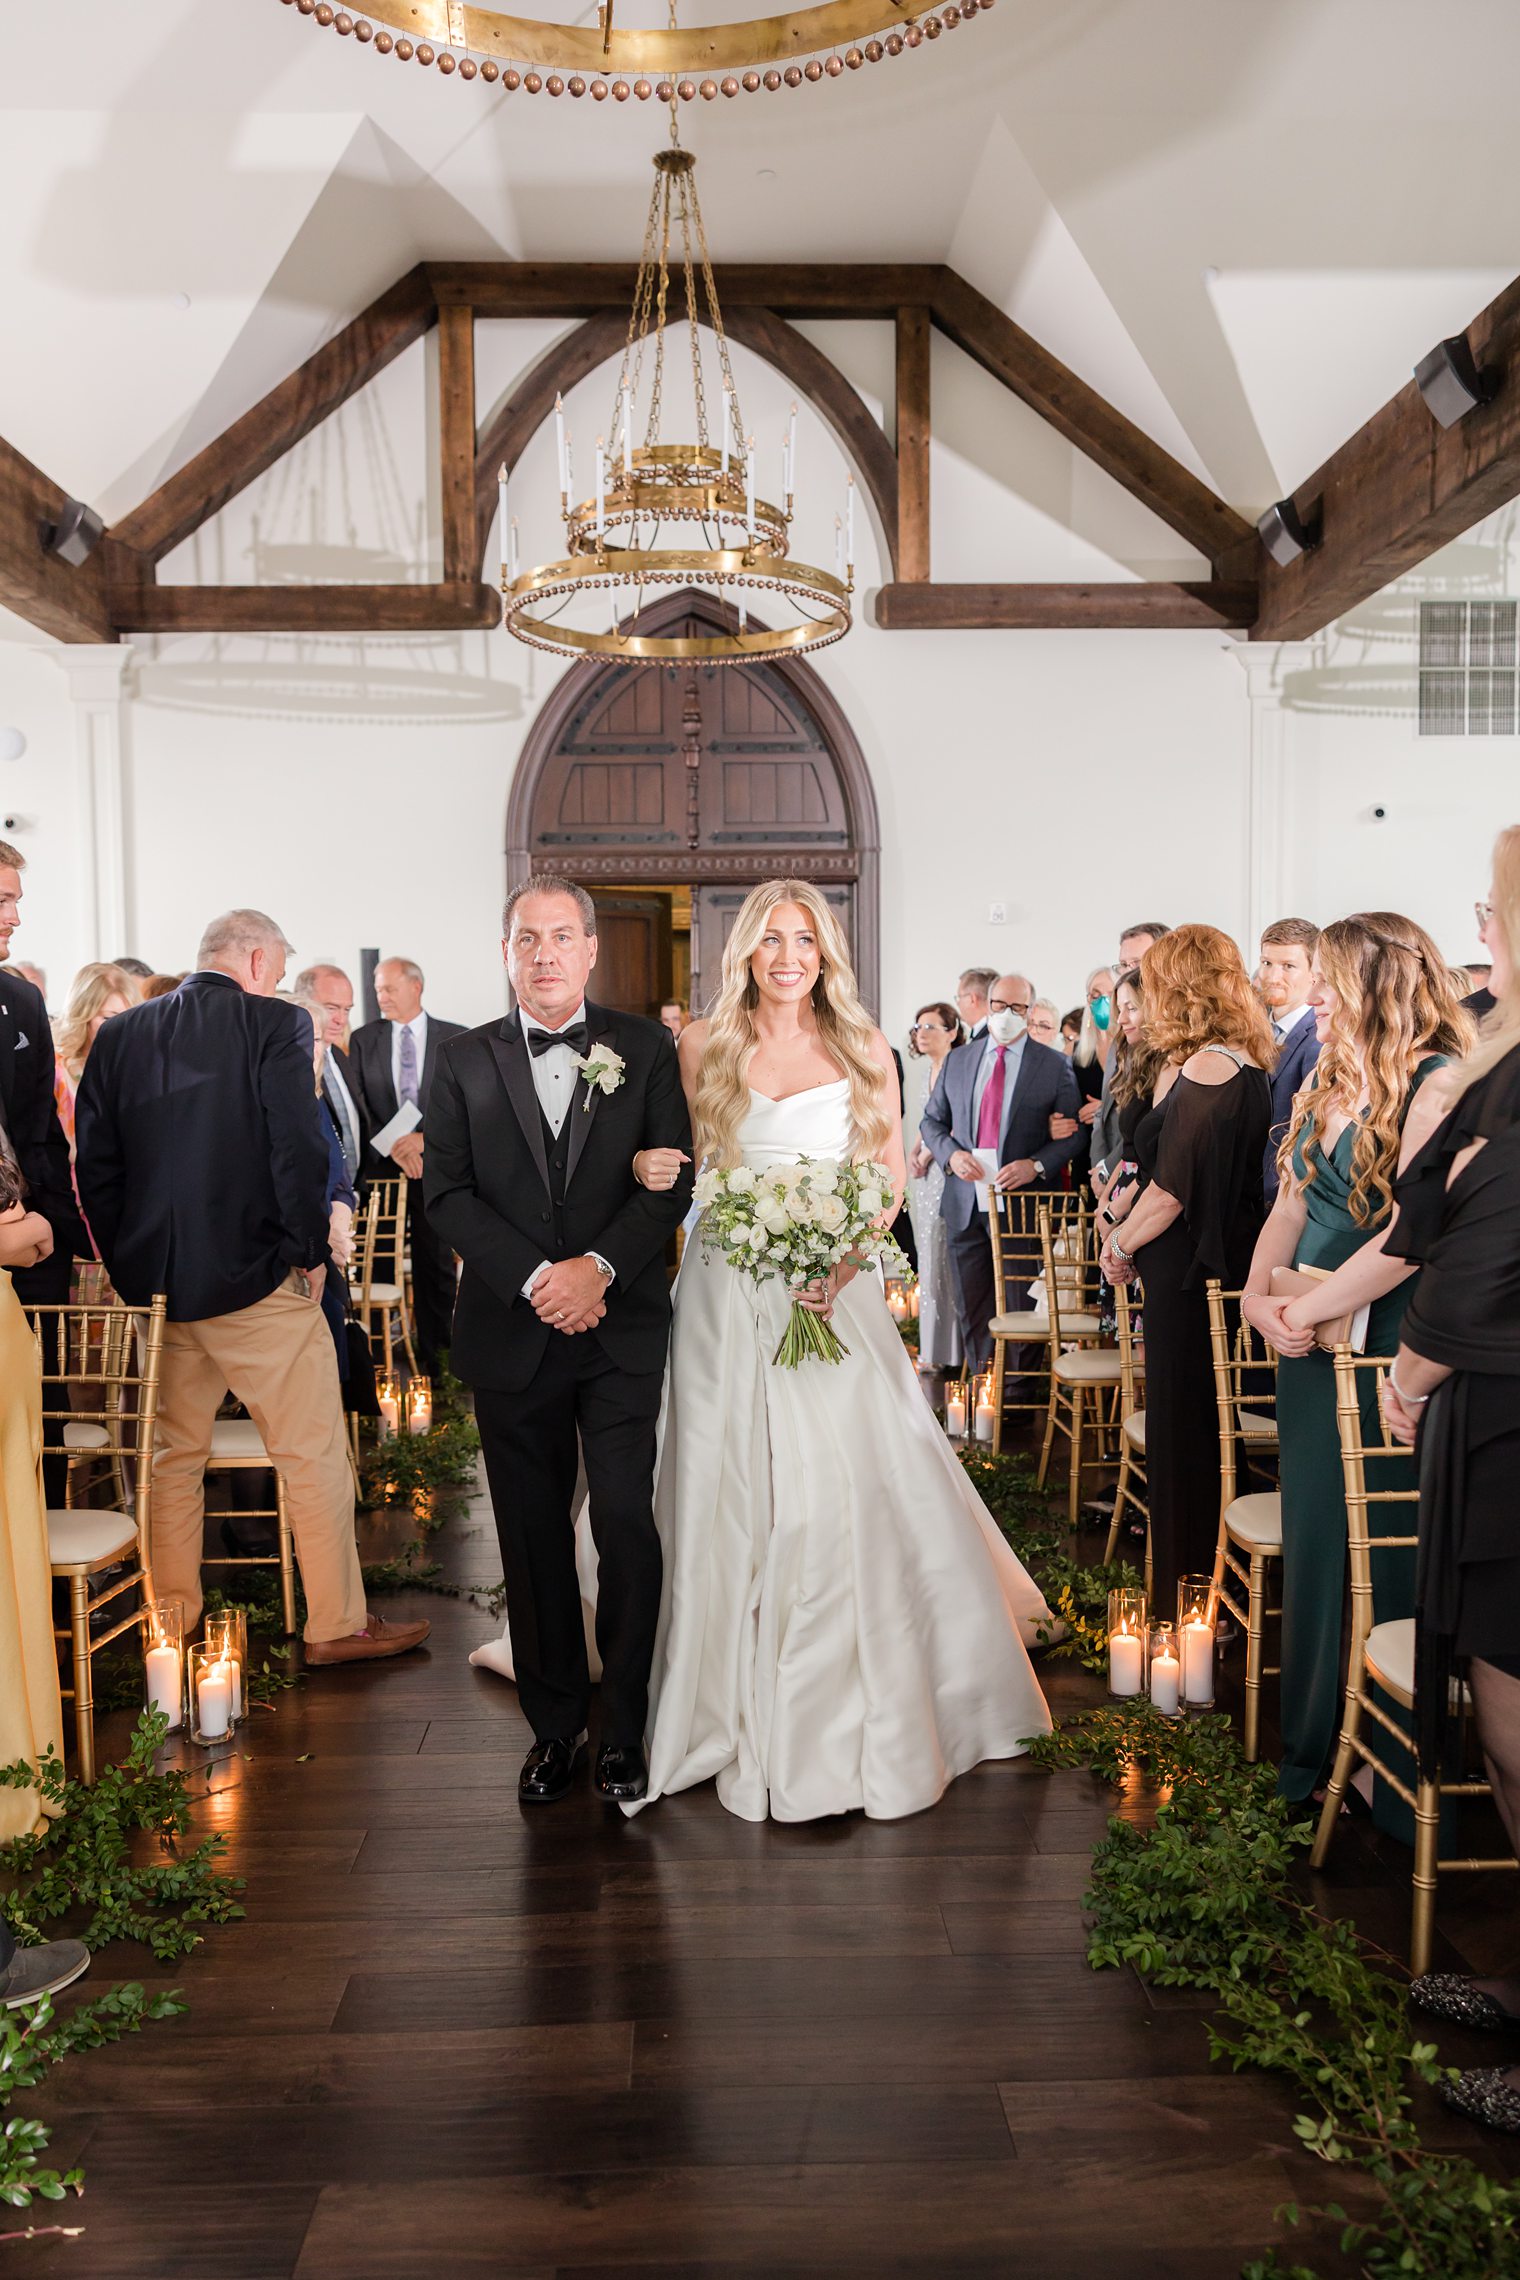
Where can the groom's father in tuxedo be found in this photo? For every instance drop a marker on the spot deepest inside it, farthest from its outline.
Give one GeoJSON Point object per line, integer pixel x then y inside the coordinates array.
{"type": "Point", "coordinates": [563, 1317]}
{"type": "Point", "coordinates": [999, 1092]}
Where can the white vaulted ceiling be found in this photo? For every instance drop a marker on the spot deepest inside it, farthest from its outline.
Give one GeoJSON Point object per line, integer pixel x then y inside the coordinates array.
{"type": "Point", "coordinates": [1240, 220]}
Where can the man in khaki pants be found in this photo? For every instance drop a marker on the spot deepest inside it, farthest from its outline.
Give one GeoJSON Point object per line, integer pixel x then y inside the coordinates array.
{"type": "Point", "coordinates": [202, 1167]}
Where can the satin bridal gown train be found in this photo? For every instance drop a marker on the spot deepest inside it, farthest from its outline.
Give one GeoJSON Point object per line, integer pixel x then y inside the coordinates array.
{"type": "Point", "coordinates": [843, 1627]}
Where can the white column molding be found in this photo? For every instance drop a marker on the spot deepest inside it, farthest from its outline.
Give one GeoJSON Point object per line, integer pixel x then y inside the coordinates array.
{"type": "Point", "coordinates": [97, 675]}
{"type": "Point", "coordinates": [1266, 665]}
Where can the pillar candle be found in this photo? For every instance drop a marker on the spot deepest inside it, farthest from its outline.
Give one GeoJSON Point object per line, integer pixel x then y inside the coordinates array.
{"type": "Point", "coordinates": [164, 1690]}
{"type": "Point", "coordinates": [1198, 1662]}
{"type": "Point", "coordinates": [1126, 1663]}
{"type": "Point", "coordinates": [390, 1412]}
{"type": "Point", "coordinates": [955, 1413]}
{"type": "Point", "coordinates": [983, 1414]}
{"type": "Point", "coordinates": [1166, 1681]}
{"type": "Point", "coordinates": [214, 1702]}
{"type": "Point", "coordinates": [422, 1415]}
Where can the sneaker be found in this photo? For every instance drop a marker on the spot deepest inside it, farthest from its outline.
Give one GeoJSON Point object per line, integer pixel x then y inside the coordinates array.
{"type": "Point", "coordinates": [37, 1971]}
{"type": "Point", "coordinates": [377, 1639]}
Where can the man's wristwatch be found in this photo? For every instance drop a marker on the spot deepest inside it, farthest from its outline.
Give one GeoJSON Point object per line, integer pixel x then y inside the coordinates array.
{"type": "Point", "coordinates": [604, 1267]}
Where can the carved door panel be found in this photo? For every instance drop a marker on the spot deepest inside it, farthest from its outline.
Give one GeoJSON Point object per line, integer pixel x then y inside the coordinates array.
{"type": "Point", "coordinates": [635, 952]}
{"type": "Point", "coordinates": [713, 911]}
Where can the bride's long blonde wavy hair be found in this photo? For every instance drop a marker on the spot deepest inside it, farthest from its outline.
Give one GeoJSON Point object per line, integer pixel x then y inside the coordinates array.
{"type": "Point", "coordinates": [844, 1026]}
{"type": "Point", "coordinates": [1399, 1002]}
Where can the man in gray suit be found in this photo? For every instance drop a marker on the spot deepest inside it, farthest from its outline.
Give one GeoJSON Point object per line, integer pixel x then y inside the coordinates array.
{"type": "Point", "coordinates": [999, 1092]}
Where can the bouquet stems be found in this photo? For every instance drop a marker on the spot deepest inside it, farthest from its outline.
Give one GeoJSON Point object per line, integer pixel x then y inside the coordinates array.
{"type": "Point", "coordinates": [809, 1337]}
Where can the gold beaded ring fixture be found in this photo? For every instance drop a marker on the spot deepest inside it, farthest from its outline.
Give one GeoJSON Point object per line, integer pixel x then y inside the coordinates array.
{"type": "Point", "coordinates": [671, 65]}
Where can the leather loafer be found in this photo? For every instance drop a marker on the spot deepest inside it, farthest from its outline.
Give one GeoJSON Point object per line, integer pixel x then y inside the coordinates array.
{"type": "Point", "coordinates": [622, 1772]}
{"type": "Point", "coordinates": [548, 1771]}
{"type": "Point", "coordinates": [374, 1643]}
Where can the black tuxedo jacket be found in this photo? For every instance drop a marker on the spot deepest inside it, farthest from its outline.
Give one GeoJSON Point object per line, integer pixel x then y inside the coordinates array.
{"type": "Point", "coordinates": [202, 1158]}
{"type": "Point", "coordinates": [369, 1080]}
{"type": "Point", "coordinates": [486, 1183]}
{"type": "Point", "coordinates": [29, 1113]}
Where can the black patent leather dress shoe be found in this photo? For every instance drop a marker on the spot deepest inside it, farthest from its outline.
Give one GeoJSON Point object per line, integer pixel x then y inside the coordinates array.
{"type": "Point", "coordinates": [622, 1772]}
{"type": "Point", "coordinates": [548, 1771]}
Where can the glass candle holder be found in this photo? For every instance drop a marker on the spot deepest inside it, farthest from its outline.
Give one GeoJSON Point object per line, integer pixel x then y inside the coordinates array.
{"type": "Point", "coordinates": [1126, 1642]}
{"type": "Point", "coordinates": [227, 1641]}
{"type": "Point", "coordinates": [388, 1395]}
{"type": "Point", "coordinates": [983, 1418]}
{"type": "Point", "coordinates": [957, 1395]}
{"type": "Point", "coordinates": [1196, 1614]}
{"type": "Point", "coordinates": [1166, 1670]}
{"type": "Point", "coordinates": [419, 1405]}
{"type": "Point", "coordinates": [210, 1695]}
{"type": "Point", "coordinates": [164, 1660]}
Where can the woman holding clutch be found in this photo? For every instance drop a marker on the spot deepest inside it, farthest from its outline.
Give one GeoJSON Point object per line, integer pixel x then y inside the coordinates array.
{"type": "Point", "coordinates": [1387, 1014]}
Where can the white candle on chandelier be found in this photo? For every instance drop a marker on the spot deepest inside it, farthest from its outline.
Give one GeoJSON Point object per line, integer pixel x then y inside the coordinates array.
{"type": "Point", "coordinates": [512, 551]}
{"type": "Point", "coordinates": [789, 459]}
{"type": "Point", "coordinates": [627, 441]}
{"type": "Point", "coordinates": [849, 524]}
{"type": "Point", "coordinates": [601, 490]}
{"type": "Point", "coordinates": [749, 487]}
{"type": "Point", "coordinates": [562, 447]}
{"type": "Point", "coordinates": [501, 499]}
{"type": "Point", "coordinates": [839, 549]}
{"type": "Point", "coordinates": [728, 421]}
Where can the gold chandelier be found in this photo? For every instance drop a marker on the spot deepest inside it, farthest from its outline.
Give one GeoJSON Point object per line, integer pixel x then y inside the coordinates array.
{"type": "Point", "coordinates": [580, 606]}
{"type": "Point", "coordinates": [671, 64]}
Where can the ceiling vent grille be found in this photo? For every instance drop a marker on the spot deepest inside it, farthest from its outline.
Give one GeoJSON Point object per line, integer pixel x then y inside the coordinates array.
{"type": "Point", "coordinates": [1467, 668]}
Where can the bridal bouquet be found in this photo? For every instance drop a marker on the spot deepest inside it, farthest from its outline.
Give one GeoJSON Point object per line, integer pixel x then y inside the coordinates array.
{"type": "Point", "coordinates": [797, 1221]}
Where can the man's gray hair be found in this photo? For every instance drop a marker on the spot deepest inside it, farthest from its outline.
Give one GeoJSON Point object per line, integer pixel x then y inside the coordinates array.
{"type": "Point", "coordinates": [309, 979]}
{"type": "Point", "coordinates": [980, 979]}
{"type": "Point", "coordinates": [548, 883]}
{"type": "Point", "coordinates": [236, 933]}
{"type": "Point", "coordinates": [406, 966]}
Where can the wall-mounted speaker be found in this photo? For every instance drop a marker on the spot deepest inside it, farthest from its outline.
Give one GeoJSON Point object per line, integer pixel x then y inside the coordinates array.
{"type": "Point", "coordinates": [75, 535]}
{"type": "Point", "coordinates": [1286, 534]}
{"type": "Point", "coordinates": [1451, 383]}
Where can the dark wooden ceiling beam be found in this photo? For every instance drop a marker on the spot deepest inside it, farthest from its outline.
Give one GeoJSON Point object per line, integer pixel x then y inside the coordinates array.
{"type": "Point", "coordinates": [813, 375]}
{"type": "Point", "coordinates": [1082, 416]}
{"type": "Point", "coordinates": [913, 436]}
{"type": "Point", "coordinates": [938, 608]}
{"type": "Point", "coordinates": [456, 443]}
{"type": "Point", "coordinates": [453, 608]}
{"type": "Point", "coordinates": [69, 604]}
{"type": "Point", "coordinates": [581, 288]}
{"type": "Point", "coordinates": [277, 423]}
{"type": "Point", "coordinates": [1400, 488]}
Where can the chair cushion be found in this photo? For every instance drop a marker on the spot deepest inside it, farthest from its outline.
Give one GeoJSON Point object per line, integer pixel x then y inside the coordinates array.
{"type": "Point", "coordinates": [1257, 1428]}
{"type": "Point", "coordinates": [1134, 1430]}
{"type": "Point", "coordinates": [86, 1436]}
{"type": "Point", "coordinates": [1256, 1521]}
{"type": "Point", "coordinates": [1019, 1326]}
{"type": "Point", "coordinates": [1390, 1657]}
{"type": "Point", "coordinates": [80, 1539]}
{"type": "Point", "coordinates": [237, 1440]}
{"type": "Point", "coordinates": [385, 1294]}
{"type": "Point", "coordinates": [1097, 1366]}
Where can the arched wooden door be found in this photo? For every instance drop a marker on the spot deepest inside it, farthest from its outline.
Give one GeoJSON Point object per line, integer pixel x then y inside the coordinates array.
{"type": "Point", "coordinates": [638, 779]}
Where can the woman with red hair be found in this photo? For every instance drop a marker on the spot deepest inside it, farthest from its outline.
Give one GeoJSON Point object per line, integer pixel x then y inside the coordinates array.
{"type": "Point", "coordinates": [1200, 1148]}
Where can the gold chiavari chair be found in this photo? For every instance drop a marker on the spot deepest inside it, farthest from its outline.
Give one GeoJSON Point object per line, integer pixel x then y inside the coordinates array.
{"type": "Point", "coordinates": [1132, 1486]}
{"type": "Point", "coordinates": [1084, 1383]}
{"type": "Point", "coordinates": [108, 1356]}
{"type": "Point", "coordinates": [1250, 1523]}
{"type": "Point", "coordinates": [1014, 1227]}
{"type": "Point", "coordinates": [237, 1445]}
{"type": "Point", "coordinates": [1382, 1654]}
{"type": "Point", "coordinates": [378, 1273]}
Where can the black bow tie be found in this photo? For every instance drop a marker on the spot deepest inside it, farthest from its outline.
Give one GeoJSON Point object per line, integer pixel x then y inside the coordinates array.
{"type": "Point", "coordinates": [541, 1040]}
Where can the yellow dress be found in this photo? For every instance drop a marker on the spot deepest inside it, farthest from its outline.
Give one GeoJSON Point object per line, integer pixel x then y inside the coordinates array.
{"type": "Point", "coordinates": [31, 1712]}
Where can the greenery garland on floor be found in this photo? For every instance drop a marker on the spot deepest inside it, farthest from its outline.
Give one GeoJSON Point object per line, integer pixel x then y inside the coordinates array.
{"type": "Point", "coordinates": [78, 1868]}
{"type": "Point", "coordinates": [1208, 1897]}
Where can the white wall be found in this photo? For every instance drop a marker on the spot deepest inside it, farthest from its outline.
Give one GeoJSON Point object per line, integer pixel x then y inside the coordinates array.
{"type": "Point", "coordinates": [358, 789]}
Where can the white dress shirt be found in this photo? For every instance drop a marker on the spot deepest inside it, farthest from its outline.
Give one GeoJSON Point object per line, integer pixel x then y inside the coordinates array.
{"type": "Point", "coordinates": [554, 1079]}
{"type": "Point", "coordinates": [418, 1025]}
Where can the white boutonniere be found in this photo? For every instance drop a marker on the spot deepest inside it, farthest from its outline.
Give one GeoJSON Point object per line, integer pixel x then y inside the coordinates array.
{"type": "Point", "coordinates": [603, 1071]}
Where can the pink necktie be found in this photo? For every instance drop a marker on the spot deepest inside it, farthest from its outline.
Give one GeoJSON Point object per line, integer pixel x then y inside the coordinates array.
{"type": "Point", "coordinates": [989, 1125]}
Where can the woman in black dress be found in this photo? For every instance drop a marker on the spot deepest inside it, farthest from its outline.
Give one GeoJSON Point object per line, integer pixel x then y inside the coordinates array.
{"type": "Point", "coordinates": [1199, 1147]}
{"type": "Point", "coordinates": [1456, 1383]}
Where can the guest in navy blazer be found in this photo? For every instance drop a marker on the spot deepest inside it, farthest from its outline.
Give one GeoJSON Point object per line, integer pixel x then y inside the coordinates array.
{"type": "Point", "coordinates": [1038, 1084]}
{"type": "Point", "coordinates": [1283, 977]}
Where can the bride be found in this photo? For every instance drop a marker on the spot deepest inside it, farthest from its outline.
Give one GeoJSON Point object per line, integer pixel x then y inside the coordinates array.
{"type": "Point", "coordinates": [842, 1625]}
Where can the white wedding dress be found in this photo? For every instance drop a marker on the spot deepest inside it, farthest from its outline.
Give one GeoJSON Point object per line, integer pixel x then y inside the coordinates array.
{"type": "Point", "coordinates": [843, 1627]}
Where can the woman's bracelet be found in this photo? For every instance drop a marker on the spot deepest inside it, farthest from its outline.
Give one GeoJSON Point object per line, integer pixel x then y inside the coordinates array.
{"type": "Point", "coordinates": [1125, 1258]}
{"type": "Point", "coordinates": [1407, 1400]}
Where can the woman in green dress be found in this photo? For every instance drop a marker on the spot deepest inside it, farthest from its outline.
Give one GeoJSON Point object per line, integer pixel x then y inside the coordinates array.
{"type": "Point", "coordinates": [1388, 1015]}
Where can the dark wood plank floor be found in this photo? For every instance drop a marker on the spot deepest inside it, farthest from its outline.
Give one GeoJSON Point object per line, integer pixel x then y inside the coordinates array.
{"type": "Point", "coordinates": [454, 2038]}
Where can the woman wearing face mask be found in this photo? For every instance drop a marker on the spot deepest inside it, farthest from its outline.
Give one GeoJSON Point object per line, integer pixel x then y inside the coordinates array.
{"type": "Point", "coordinates": [936, 1030]}
{"type": "Point", "coordinates": [1089, 1059]}
{"type": "Point", "coordinates": [1387, 1016]}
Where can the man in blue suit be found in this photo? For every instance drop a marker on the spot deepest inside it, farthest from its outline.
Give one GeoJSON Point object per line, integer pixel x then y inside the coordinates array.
{"type": "Point", "coordinates": [1000, 1091]}
{"type": "Point", "coordinates": [1283, 978]}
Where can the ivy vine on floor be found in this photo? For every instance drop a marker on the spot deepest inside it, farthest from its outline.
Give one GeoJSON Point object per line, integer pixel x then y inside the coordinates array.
{"type": "Point", "coordinates": [78, 1871]}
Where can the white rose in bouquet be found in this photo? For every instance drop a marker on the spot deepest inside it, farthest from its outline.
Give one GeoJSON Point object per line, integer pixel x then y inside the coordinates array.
{"type": "Point", "coordinates": [741, 1180]}
{"type": "Point", "coordinates": [830, 1212]}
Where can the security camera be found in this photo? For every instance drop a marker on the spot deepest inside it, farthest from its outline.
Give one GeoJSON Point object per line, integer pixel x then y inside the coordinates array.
{"type": "Point", "coordinates": [13, 822]}
{"type": "Point", "coordinates": [1379, 815]}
